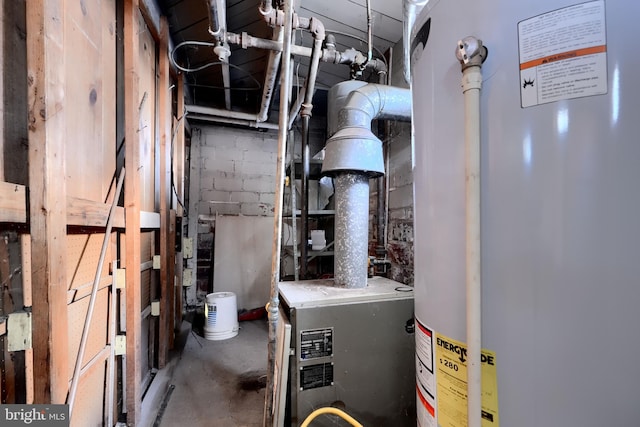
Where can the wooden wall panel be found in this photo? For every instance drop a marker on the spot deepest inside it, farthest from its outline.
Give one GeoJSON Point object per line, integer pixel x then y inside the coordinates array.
{"type": "Point", "coordinates": [145, 290]}
{"type": "Point", "coordinates": [147, 246]}
{"type": "Point", "coordinates": [83, 254]}
{"type": "Point", "coordinates": [147, 106]}
{"type": "Point", "coordinates": [109, 142]}
{"type": "Point", "coordinates": [97, 332]}
{"type": "Point", "coordinates": [90, 89]}
{"type": "Point", "coordinates": [178, 149]}
{"type": "Point", "coordinates": [89, 410]}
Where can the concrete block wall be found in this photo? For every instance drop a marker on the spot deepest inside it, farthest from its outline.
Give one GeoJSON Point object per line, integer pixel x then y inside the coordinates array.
{"type": "Point", "coordinates": [237, 172]}
{"type": "Point", "coordinates": [233, 173]}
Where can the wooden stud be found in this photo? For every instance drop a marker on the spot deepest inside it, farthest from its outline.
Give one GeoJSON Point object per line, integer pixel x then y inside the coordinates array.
{"type": "Point", "coordinates": [164, 104]}
{"type": "Point", "coordinates": [171, 273]}
{"type": "Point", "coordinates": [47, 196]}
{"type": "Point", "coordinates": [89, 213]}
{"type": "Point", "coordinates": [152, 17]}
{"type": "Point", "coordinates": [132, 212]}
{"type": "Point", "coordinates": [180, 146]}
{"type": "Point", "coordinates": [27, 298]}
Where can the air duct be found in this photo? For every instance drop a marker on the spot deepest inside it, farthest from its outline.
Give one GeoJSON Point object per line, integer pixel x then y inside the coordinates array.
{"type": "Point", "coordinates": [353, 155]}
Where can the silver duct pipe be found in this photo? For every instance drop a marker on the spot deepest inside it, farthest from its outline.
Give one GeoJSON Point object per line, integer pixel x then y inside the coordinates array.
{"type": "Point", "coordinates": [353, 155]}
{"type": "Point", "coordinates": [409, 8]}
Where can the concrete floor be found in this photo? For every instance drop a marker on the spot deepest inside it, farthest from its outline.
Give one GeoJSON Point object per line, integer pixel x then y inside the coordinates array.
{"type": "Point", "coordinates": [220, 383]}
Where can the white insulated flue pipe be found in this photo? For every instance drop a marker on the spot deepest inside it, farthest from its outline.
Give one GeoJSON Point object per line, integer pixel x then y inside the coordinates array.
{"type": "Point", "coordinates": [471, 55]}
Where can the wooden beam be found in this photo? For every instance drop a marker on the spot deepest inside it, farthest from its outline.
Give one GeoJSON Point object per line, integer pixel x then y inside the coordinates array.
{"type": "Point", "coordinates": [151, 14]}
{"type": "Point", "coordinates": [47, 197]}
{"type": "Point", "coordinates": [13, 203]}
{"type": "Point", "coordinates": [164, 127]}
{"type": "Point", "coordinates": [179, 144]}
{"type": "Point", "coordinates": [133, 99]}
{"type": "Point", "coordinates": [89, 213]}
{"type": "Point", "coordinates": [171, 274]}
{"type": "Point", "coordinates": [80, 212]}
{"type": "Point", "coordinates": [27, 301]}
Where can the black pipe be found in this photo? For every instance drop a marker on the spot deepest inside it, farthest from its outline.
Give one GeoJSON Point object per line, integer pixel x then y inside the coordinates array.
{"type": "Point", "coordinates": [383, 129]}
{"type": "Point", "coordinates": [307, 106]}
{"type": "Point", "coordinates": [304, 197]}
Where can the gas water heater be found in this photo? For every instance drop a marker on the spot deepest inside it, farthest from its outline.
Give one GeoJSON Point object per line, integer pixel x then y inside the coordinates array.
{"type": "Point", "coordinates": [559, 202]}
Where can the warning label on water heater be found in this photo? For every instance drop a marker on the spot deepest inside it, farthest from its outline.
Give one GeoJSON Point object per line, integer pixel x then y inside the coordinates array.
{"type": "Point", "coordinates": [425, 379]}
{"type": "Point", "coordinates": [563, 54]}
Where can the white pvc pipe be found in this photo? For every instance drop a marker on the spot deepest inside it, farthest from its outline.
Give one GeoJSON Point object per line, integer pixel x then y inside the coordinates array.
{"type": "Point", "coordinates": [240, 122]}
{"type": "Point", "coordinates": [274, 302]}
{"type": "Point", "coordinates": [471, 85]}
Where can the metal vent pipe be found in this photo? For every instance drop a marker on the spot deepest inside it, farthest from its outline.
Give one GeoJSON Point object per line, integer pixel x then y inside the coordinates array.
{"type": "Point", "coordinates": [353, 155]}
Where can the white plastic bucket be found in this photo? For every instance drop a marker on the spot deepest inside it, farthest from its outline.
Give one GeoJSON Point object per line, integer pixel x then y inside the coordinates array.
{"type": "Point", "coordinates": [318, 241]}
{"type": "Point", "coordinates": [221, 312]}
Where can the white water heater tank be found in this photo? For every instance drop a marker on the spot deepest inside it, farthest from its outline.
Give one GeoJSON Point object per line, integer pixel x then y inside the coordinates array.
{"type": "Point", "coordinates": [560, 212]}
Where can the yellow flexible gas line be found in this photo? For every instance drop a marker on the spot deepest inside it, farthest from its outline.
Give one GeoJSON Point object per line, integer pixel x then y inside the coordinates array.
{"type": "Point", "coordinates": [330, 410]}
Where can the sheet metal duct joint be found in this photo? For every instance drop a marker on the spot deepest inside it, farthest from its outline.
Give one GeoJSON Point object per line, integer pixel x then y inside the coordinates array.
{"type": "Point", "coordinates": [354, 147]}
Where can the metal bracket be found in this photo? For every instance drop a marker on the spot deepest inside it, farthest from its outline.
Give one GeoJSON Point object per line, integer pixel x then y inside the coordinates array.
{"type": "Point", "coordinates": [120, 278]}
{"type": "Point", "coordinates": [187, 277]}
{"type": "Point", "coordinates": [19, 331]}
{"type": "Point", "coordinates": [187, 248]}
{"type": "Point", "coordinates": [120, 347]}
{"type": "Point", "coordinates": [156, 262]}
{"type": "Point", "coordinates": [155, 308]}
